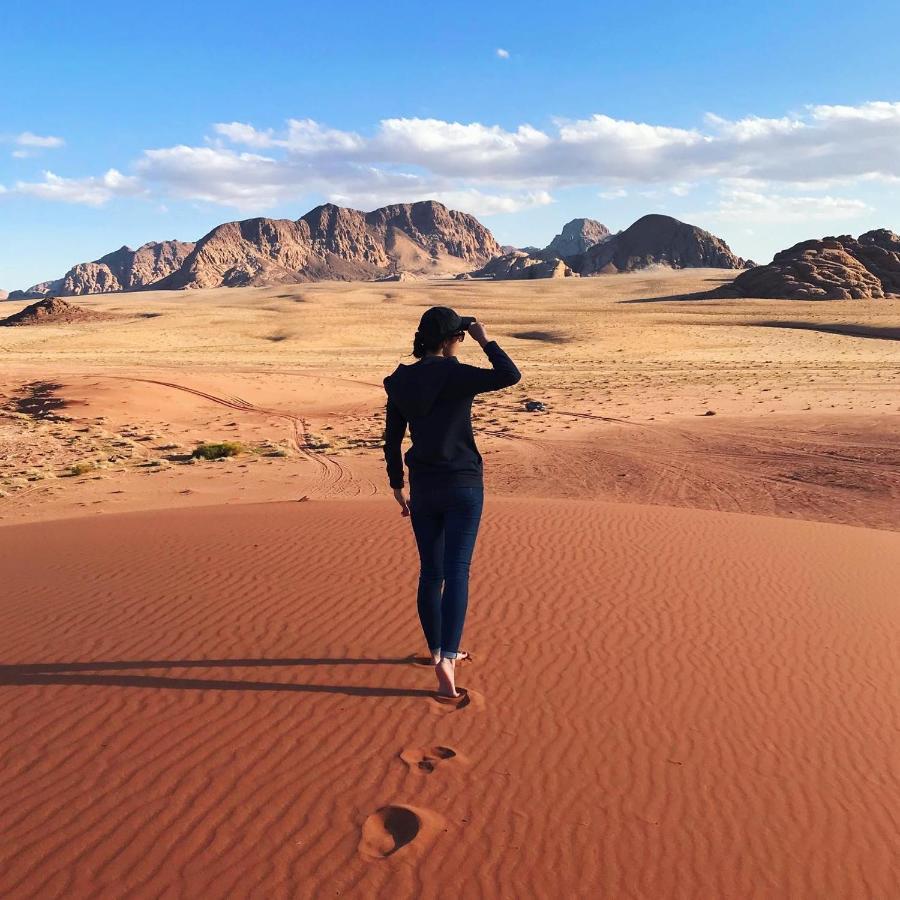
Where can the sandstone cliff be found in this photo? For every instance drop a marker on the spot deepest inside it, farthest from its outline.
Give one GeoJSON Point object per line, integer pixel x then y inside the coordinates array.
{"type": "Point", "coordinates": [657, 240]}
{"type": "Point", "coordinates": [833, 268]}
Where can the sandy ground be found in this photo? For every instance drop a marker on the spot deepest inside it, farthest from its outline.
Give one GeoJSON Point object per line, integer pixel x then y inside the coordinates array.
{"type": "Point", "coordinates": [206, 687]}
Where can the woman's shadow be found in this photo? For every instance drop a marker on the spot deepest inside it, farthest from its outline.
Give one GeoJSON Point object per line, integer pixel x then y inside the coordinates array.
{"type": "Point", "coordinates": [111, 674]}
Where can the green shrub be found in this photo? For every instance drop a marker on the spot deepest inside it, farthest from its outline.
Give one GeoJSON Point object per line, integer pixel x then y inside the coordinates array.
{"type": "Point", "coordinates": [218, 451]}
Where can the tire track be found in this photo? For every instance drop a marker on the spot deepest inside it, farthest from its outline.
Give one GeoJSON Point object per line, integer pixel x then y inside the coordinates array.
{"type": "Point", "coordinates": [335, 477]}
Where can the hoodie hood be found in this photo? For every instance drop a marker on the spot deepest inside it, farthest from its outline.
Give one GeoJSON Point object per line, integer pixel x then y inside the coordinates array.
{"type": "Point", "coordinates": [415, 388]}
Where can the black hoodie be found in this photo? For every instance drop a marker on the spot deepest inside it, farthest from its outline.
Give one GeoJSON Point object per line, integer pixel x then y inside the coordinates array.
{"type": "Point", "coordinates": [434, 396]}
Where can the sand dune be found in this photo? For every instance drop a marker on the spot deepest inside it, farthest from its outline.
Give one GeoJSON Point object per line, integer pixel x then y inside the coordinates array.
{"type": "Point", "coordinates": [663, 703]}
{"type": "Point", "coordinates": [683, 603]}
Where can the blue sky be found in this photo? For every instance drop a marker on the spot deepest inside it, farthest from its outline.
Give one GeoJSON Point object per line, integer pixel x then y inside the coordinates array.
{"type": "Point", "coordinates": [764, 123]}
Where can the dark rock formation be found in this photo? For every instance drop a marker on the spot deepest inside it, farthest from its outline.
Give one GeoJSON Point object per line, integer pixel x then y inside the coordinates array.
{"type": "Point", "coordinates": [833, 268]}
{"type": "Point", "coordinates": [657, 240]}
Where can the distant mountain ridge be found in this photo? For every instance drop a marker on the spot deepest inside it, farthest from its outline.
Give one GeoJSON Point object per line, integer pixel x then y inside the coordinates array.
{"type": "Point", "coordinates": [329, 242]}
{"type": "Point", "coordinates": [407, 239]}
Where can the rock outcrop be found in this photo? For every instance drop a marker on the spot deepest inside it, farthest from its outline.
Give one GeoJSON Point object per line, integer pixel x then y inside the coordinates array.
{"type": "Point", "coordinates": [329, 242]}
{"type": "Point", "coordinates": [833, 268]}
{"type": "Point", "coordinates": [576, 237]}
{"type": "Point", "coordinates": [519, 264]}
{"type": "Point", "coordinates": [400, 276]}
{"type": "Point", "coordinates": [657, 240]}
{"type": "Point", "coordinates": [122, 270]}
{"type": "Point", "coordinates": [52, 311]}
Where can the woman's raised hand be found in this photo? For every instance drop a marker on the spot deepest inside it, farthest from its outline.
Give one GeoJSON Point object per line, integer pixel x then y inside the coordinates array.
{"type": "Point", "coordinates": [476, 329]}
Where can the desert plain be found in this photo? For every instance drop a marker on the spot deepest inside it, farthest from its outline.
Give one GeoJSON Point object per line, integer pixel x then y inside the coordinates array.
{"type": "Point", "coordinates": [683, 614]}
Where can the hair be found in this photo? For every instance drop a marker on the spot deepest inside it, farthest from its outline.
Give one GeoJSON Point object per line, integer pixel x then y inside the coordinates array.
{"type": "Point", "coordinates": [421, 345]}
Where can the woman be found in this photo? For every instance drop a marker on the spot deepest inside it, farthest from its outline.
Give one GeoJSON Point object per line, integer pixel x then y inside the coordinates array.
{"type": "Point", "coordinates": [434, 397]}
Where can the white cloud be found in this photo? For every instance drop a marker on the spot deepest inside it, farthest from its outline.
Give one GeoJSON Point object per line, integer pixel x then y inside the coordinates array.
{"type": "Point", "coordinates": [752, 127]}
{"type": "Point", "coordinates": [874, 111]}
{"type": "Point", "coordinates": [242, 133]}
{"type": "Point", "coordinates": [824, 143]}
{"type": "Point", "coordinates": [503, 54]}
{"type": "Point", "coordinates": [306, 136]}
{"type": "Point", "coordinates": [750, 205]}
{"type": "Point", "coordinates": [29, 144]}
{"type": "Point", "coordinates": [452, 149]}
{"type": "Point", "coordinates": [214, 175]}
{"type": "Point", "coordinates": [616, 194]}
{"type": "Point", "coordinates": [303, 136]}
{"type": "Point", "coordinates": [28, 139]}
{"type": "Point", "coordinates": [87, 191]}
{"type": "Point", "coordinates": [481, 204]}
{"type": "Point", "coordinates": [252, 181]}
{"type": "Point", "coordinates": [491, 168]}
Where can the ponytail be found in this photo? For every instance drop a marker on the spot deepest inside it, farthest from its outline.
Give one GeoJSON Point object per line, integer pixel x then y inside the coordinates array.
{"type": "Point", "coordinates": [421, 346]}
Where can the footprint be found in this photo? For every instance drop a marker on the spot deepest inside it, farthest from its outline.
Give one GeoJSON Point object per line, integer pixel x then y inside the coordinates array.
{"type": "Point", "coordinates": [426, 759]}
{"type": "Point", "coordinates": [466, 700]}
{"type": "Point", "coordinates": [389, 829]}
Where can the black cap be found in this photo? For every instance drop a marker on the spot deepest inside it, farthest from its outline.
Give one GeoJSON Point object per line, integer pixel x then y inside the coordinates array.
{"type": "Point", "coordinates": [440, 322]}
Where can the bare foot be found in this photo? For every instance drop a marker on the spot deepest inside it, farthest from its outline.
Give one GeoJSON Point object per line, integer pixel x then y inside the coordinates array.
{"type": "Point", "coordinates": [446, 678]}
{"type": "Point", "coordinates": [463, 654]}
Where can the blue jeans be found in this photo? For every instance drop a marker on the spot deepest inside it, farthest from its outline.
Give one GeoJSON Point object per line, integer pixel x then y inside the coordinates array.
{"type": "Point", "coordinates": [445, 521]}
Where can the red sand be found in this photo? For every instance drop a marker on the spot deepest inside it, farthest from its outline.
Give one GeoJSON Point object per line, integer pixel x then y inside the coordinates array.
{"type": "Point", "coordinates": [663, 703]}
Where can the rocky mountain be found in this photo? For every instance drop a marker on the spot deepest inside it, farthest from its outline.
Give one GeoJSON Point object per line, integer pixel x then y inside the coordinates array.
{"type": "Point", "coordinates": [122, 270]}
{"type": "Point", "coordinates": [656, 240]}
{"type": "Point", "coordinates": [833, 268]}
{"type": "Point", "coordinates": [329, 242]}
{"type": "Point", "coordinates": [520, 264]}
{"type": "Point", "coordinates": [576, 237]}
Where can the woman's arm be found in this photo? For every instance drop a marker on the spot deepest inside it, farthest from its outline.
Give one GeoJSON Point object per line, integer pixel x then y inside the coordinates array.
{"type": "Point", "coordinates": [471, 380]}
{"type": "Point", "coordinates": [503, 372]}
{"type": "Point", "coordinates": [394, 430]}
